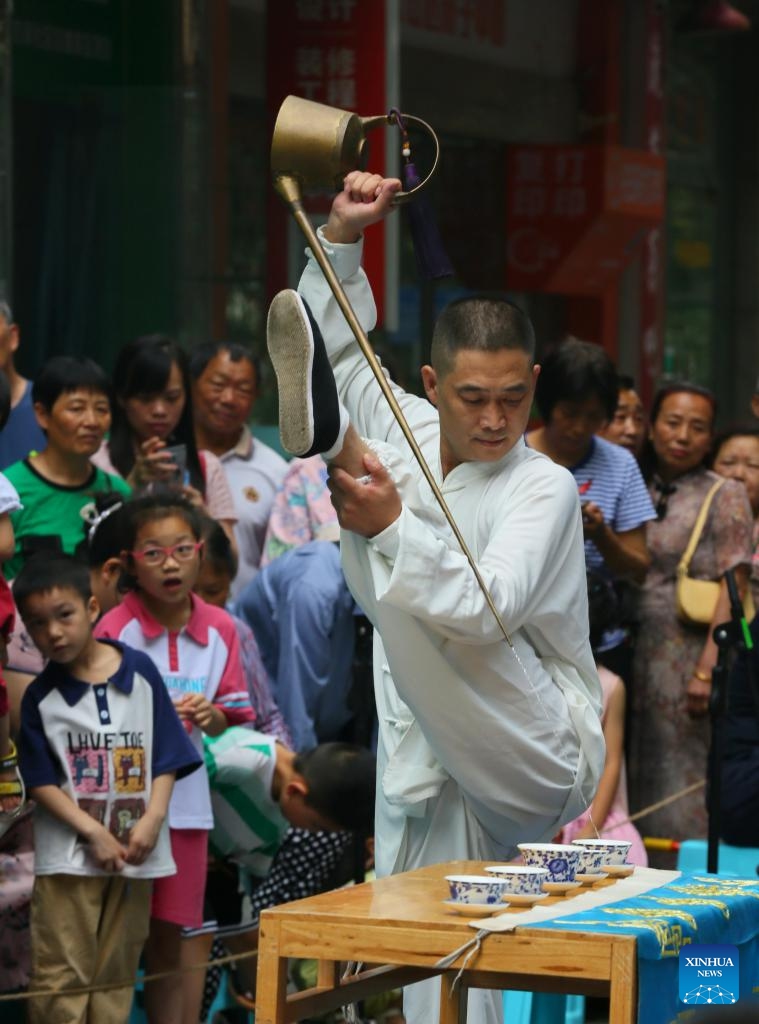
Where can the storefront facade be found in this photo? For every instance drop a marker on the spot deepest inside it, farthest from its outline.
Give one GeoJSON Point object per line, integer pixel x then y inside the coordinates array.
{"type": "Point", "coordinates": [135, 192]}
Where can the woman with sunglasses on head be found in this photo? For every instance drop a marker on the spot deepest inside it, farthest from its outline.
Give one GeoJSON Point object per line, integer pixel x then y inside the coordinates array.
{"type": "Point", "coordinates": [673, 665]}
{"type": "Point", "coordinates": [151, 439]}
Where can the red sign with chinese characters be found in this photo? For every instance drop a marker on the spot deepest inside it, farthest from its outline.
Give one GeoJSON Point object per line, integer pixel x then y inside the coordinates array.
{"type": "Point", "coordinates": [575, 214]}
{"type": "Point", "coordinates": [478, 20]}
{"type": "Point", "coordinates": [326, 51]}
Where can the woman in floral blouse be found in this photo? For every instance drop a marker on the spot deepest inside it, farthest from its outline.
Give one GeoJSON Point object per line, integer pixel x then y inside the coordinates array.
{"type": "Point", "coordinates": [674, 661]}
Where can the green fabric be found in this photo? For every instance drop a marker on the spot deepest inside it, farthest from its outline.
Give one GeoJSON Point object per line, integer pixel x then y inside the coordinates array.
{"type": "Point", "coordinates": [248, 823]}
{"type": "Point", "coordinates": [50, 509]}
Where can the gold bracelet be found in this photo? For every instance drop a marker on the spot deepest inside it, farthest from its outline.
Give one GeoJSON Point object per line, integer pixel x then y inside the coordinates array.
{"type": "Point", "coordinates": [705, 677]}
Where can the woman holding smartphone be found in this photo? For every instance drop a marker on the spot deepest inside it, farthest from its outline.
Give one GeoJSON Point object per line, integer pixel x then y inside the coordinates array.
{"type": "Point", "coordinates": [152, 440]}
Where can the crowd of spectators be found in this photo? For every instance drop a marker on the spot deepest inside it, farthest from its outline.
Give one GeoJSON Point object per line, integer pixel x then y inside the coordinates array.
{"type": "Point", "coordinates": [207, 551]}
{"type": "Point", "coordinates": [173, 432]}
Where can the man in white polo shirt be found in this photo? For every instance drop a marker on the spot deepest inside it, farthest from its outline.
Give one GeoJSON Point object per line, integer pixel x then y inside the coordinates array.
{"type": "Point", "coordinates": [225, 387]}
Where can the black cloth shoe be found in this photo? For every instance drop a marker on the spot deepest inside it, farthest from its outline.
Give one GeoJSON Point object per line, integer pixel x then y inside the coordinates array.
{"type": "Point", "coordinates": [311, 418]}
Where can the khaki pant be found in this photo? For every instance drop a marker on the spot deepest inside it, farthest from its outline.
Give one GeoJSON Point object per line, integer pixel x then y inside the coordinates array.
{"type": "Point", "coordinates": [86, 931]}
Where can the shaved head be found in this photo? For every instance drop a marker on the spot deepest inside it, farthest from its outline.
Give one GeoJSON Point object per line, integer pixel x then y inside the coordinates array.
{"type": "Point", "coordinates": [480, 324]}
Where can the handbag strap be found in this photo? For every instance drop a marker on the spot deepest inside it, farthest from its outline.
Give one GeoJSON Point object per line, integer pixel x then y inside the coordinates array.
{"type": "Point", "coordinates": [695, 537]}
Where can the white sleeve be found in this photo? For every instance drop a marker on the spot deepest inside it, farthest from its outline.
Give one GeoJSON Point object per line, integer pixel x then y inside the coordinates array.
{"type": "Point", "coordinates": [9, 499]}
{"type": "Point", "coordinates": [531, 551]}
{"type": "Point", "coordinates": [359, 391]}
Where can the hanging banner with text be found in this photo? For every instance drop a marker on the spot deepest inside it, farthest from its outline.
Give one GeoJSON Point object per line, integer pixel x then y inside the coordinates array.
{"type": "Point", "coordinates": [576, 214]}
{"type": "Point", "coordinates": [327, 51]}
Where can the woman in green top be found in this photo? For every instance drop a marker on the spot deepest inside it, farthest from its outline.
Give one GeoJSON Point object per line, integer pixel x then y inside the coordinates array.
{"type": "Point", "coordinates": [57, 486]}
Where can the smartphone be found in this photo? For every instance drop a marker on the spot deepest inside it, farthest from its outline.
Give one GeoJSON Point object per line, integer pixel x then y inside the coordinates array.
{"type": "Point", "coordinates": [179, 473]}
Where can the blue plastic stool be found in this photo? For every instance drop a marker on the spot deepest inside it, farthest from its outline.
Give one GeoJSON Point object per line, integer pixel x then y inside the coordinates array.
{"type": "Point", "coordinates": [542, 1008]}
{"type": "Point", "coordinates": [733, 861]}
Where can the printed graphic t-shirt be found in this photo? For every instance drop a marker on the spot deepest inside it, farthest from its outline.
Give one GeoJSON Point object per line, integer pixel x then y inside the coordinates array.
{"type": "Point", "coordinates": [103, 744]}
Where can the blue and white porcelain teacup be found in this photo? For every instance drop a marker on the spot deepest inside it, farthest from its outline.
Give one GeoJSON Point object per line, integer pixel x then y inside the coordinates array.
{"type": "Point", "coordinates": [560, 859]}
{"type": "Point", "coordinates": [592, 860]}
{"type": "Point", "coordinates": [612, 851]}
{"type": "Point", "coordinates": [475, 888]}
{"type": "Point", "coordinates": [521, 880]}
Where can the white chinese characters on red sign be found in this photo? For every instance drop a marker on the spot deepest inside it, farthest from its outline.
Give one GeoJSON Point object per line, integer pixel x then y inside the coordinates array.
{"type": "Point", "coordinates": [328, 52]}
{"type": "Point", "coordinates": [326, 75]}
{"type": "Point", "coordinates": [549, 184]}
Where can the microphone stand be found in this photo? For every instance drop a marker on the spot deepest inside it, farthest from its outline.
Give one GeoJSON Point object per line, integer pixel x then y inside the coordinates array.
{"type": "Point", "coordinates": [734, 633]}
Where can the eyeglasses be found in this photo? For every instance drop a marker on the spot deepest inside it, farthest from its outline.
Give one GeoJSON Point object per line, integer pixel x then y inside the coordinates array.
{"type": "Point", "coordinates": [157, 555]}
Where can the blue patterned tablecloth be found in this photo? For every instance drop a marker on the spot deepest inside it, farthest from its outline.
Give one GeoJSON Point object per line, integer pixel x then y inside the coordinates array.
{"type": "Point", "coordinates": [691, 910]}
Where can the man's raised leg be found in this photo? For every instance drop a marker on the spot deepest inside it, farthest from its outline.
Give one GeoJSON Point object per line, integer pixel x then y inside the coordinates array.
{"type": "Point", "coordinates": [312, 420]}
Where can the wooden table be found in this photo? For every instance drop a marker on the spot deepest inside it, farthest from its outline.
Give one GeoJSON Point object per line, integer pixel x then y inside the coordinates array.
{"type": "Point", "coordinates": [399, 926]}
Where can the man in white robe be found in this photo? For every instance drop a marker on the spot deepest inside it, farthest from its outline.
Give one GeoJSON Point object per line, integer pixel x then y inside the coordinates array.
{"type": "Point", "coordinates": [481, 746]}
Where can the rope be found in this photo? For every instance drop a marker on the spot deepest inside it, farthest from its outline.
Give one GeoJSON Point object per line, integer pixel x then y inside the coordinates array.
{"type": "Point", "coordinates": [658, 805]}
{"type": "Point", "coordinates": [481, 934]}
{"type": "Point", "coordinates": [350, 1010]}
{"type": "Point", "coordinates": [471, 944]}
{"type": "Point", "coordinates": [471, 948]}
{"type": "Point", "coordinates": [108, 986]}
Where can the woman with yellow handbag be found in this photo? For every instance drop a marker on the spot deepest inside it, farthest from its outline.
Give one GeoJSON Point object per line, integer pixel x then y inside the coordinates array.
{"type": "Point", "coordinates": [704, 527]}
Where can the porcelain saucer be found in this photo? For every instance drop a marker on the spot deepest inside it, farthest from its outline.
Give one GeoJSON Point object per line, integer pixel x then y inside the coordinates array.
{"type": "Point", "coordinates": [524, 899]}
{"type": "Point", "coordinates": [474, 909]}
{"type": "Point", "coordinates": [618, 870]}
{"type": "Point", "coordinates": [560, 888]}
{"type": "Point", "coordinates": [589, 877]}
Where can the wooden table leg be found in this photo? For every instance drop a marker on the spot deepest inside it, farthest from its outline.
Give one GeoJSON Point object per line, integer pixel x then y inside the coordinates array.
{"type": "Point", "coordinates": [623, 994]}
{"type": "Point", "coordinates": [452, 1000]}
{"type": "Point", "coordinates": [271, 976]}
{"type": "Point", "coordinates": [328, 974]}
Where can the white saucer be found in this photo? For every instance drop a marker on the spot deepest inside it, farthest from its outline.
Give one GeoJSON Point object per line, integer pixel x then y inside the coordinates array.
{"type": "Point", "coordinates": [559, 888]}
{"type": "Point", "coordinates": [589, 877]}
{"type": "Point", "coordinates": [524, 899]}
{"type": "Point", "coordinates": [474, 909]}
{"type": "Point", "coordinates": [618, 870]}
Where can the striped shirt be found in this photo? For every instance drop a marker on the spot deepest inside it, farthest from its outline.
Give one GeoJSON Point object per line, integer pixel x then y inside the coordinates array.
{"type": "Point", "coordinates": [248, 824]}
{"type": "Point", "coordinates": [609, 477]}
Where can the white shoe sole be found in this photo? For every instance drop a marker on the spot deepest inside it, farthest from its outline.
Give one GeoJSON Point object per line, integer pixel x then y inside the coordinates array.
{"type": "Point", "coordinates": [291, 348]}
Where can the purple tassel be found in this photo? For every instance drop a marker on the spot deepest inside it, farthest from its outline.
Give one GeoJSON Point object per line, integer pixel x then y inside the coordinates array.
{"type": "Point", "coordinates": [431, 259]}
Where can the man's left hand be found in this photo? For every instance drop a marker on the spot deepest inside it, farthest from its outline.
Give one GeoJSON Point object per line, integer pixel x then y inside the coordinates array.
{"type": "Point", "coordinates": [366, 508]}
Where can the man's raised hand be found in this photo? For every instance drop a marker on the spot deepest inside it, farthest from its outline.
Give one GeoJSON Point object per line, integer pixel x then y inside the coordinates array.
{"type": "Point", "coordinates": [365, 199]}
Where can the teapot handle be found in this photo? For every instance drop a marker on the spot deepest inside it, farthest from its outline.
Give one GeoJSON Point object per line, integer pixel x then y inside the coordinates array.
{"type": "Point", "coordinates": [387, 119]}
